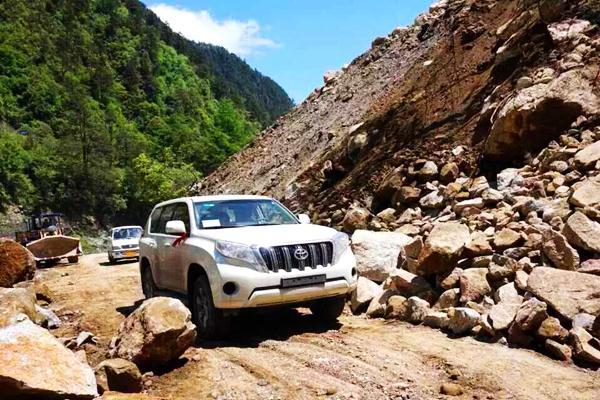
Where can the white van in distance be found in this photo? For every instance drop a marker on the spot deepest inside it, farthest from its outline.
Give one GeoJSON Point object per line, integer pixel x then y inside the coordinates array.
{"type": "Point", "coordinates": [124, 242]}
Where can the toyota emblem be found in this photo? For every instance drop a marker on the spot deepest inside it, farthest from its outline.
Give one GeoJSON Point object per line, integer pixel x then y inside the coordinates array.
{"type": "Point", "coordinates": [300, 254]}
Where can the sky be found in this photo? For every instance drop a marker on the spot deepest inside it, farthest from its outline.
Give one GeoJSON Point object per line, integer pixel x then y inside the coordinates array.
{"type": "Point", "coordinates": [292, 41]}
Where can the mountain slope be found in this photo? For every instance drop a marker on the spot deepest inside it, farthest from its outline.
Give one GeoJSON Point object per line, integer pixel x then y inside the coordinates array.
{"type": "Point", "coordinates": [230, 76]}
{"type": "Point", "coordinates": [111, 117]}
{"type": "Point", "coordinates": [421, 91]}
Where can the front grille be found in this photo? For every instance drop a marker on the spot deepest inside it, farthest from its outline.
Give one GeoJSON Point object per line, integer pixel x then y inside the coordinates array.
{"type": "Point", "coordinates": [284, 258]}
{"type": "Point", "coordinates": [129, 246]}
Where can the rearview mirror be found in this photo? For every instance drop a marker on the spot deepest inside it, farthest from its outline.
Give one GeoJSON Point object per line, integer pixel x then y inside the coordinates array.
{"type": "Point", "coordinates": [175, 228]}
{"type": "Point", "coordinates": [304, 219]}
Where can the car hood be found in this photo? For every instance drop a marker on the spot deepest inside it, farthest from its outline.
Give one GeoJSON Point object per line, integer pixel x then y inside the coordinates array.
{"type": "Point", "coordinates": [271, 235]}
{"type": "Point", "coordinates": [123, 242]}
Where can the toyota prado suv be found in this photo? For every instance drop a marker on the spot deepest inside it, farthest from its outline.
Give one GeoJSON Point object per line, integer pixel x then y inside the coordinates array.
{"type": "Point", "coordinates": [226, 253]}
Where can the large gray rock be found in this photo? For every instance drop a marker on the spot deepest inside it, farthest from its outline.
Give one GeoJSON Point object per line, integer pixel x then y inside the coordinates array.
{"type": "Point", "coordinates": [15, 305]}
{"type": "Point", "coordinates": [582, 232]}
{"type": "Point", "coordinates": [559, 251]}
{"type": "Point", "coordinates": [416, 309]}
{"type": "Point", "coordinates": [551, 328]}
{"type": "Point", "coordinates": [34, 364]}
{"type": "Point", "coordinates": [448, 299]}
{"type": "Point", "coordinates": [588, 157]}
{"type": "Point", "coordinates": [443, 248]}
{"type": "Point", "coordinates": [377, 253]}
{"type": "Point", "coordinates": [156, 333]}
{"type": "Point", "coordinates": [396, 308]}
{"type": "Point", "coordinates": [567, 292]}
{"type": "Point", "coordinates": [366, 290]}
{"type": "Point", "coordinates": [462, 320]}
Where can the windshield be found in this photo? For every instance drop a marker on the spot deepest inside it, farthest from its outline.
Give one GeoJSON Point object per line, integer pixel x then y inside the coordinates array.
{"type": "Point", "coordinates": [127, 233]}
{"type": "Point", "coordinates": [236, 213]}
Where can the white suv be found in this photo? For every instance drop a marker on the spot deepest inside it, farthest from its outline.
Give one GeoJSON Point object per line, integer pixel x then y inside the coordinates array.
{"type": "Point", "coordinates": [225, 253]}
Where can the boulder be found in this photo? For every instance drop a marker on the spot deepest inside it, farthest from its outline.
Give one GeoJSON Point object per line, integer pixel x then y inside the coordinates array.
{"type": "Point", "coordinates": [557, 350]}
{"type": "Point", "coordinates": [388, 215]}
{"type": "Point", "coordinates": [433, 200]}
{"type": "Point", "coordinates": [448, 299]}
{"type": "Point", "coordinates": [586, 195]}
{"type": "Point", "coordinates": [16, 263]}
{"type": "Point", "coordinates": [468, 204]}
{"type": "Point", "coordinates": [479, 245]}
{"type": "Point", "coordinates": [443, 248]}
{"type": "Point", "coordinates": [377, 253]}
{"type": "Point", "coordinates": [409, 194]}
{"type": "Point", "coordinates": [551, 328]}
{"type": "Point", "coordinates": [506, 177]}
{"type": "Point", "coordinates": [396, 308]}
{"type": "Point", "coordinates": [540, 113]}
{"type": "Point", "coordinates": [556, 208]}
{"type": "Point", "coordinates": [117, 374]}
{"type": "Point", "coordinates": [506, 238]}
{"type": "Point", "coordinates": [462, 320]}
{"type": "Point", "coordinates": [492, 196]}
{"type": "Point", "coordinates": [15, 305]}
{"type": "Point", "coordinates": [508, 301]}
{"type": "Point", "coordinates": [567, 292]}
{"type": "Point", "coordinates": [356, 218]}
{"type": "Point", "coordinates": [34, 364]}
{"type": "Point", "coordinates": [559, 251]}
{"type": "Point", "coordinates": [582, 232]}
{"type": "Point", "coordinates": [47, 318]}
{"type": "Point", "coordinates": [366, 290]}
{"type": "Point", "coordinates": [406, 283]}
{"type": "Point", "coordinates": [451, 280]}
{"type": "Point", "coordinates": [377, 306]}
{"type": "Point", "coordinates": [416, 309]}
{"type": "Point", "coordinates": [156, 333]}
{"type": "Point", "coordinates": [531, 314]}
{"type": "Point", "coordinates": [583, 320]}
{"type": "Point", "coordinates": [449, 173]}
{"type": "Point", "coordinates": [429, 171]}
{"type": "Point", "coordinates": [436, 319]}
{"type": "Point", "coordinates": [585, 346]}
{"type": "Point", "coordinates": [588, 156]}
{"type": "Point", "coordinates": [474, 285]}
{"type": "Point", "coordinates": [517, 337]}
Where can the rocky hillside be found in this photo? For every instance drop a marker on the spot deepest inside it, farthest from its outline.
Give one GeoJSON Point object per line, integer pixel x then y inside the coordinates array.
{"type": "Point", "coordinates": [501, 78]}
{"type": "Point", "coordinates": [463, 153]}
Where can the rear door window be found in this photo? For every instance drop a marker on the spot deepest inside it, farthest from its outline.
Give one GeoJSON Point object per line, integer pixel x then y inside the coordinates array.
{"type": "Point", "coordinates": [165, 217]}
{"type": "Point", "coordinates": [155, 220]}
{"type": "Point", "coordinates": [181, 213]}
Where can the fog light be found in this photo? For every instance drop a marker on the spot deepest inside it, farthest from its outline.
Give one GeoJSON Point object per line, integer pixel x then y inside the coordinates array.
{"type": "Point", "coordinates": [354, 272]}
{"type": "Point", "coordinates": [229, 288]}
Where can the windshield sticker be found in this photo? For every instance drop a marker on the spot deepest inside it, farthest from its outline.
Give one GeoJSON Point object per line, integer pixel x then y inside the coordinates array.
{"type": "Point", "coordinates": [211, 223]}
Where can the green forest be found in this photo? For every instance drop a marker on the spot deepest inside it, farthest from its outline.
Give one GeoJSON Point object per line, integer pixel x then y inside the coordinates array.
{"type": "Point", "coordinates": [104, 111]}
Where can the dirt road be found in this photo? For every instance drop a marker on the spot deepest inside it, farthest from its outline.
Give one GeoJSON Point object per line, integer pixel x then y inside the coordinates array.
{"type": "Point", "coordinates": [285, 355]}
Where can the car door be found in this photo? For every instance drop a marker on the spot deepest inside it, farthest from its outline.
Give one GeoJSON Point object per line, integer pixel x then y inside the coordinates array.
{"type": "Point", "coordinates": [163, 244]}
{"type": "Point", "coordinates": [174, 255]}
{"type": "Point", "coordinates": [149, 244]}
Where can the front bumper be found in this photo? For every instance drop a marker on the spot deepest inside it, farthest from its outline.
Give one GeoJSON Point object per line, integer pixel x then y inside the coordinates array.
{"type": "Point", "coordinates": [258, 289]}
{"type": "Point", "coordinates": [125, 253]}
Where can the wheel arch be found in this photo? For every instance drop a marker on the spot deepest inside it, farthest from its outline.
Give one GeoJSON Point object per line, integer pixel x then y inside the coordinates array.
{"type": "Point", "coordinates": [194, 271]}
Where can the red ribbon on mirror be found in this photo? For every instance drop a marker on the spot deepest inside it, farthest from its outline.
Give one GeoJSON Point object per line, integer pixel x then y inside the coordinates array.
{"type": "Point", "coordinates": [180, 239]}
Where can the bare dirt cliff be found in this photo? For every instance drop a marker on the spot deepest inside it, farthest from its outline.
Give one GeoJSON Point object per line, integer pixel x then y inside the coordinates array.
{"type": "Point", "coordinates": [500, 78]}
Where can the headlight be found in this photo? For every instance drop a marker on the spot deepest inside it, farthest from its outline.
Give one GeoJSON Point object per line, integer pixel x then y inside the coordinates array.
{"type": "Point", "coordinates": [116, 247]}
{"type": "Point", "coordinates": [341, 242]}
{"type": "Point", "coordinates": [240, 252]}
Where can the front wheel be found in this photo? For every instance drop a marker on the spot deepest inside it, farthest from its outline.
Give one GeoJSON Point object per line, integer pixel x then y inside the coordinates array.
{"type": "Point", "coordinates": [73, 259]}
{"type": "Point", "coordinates": [328, 310]}
{"type": "Point", "coordinates": [209, 320]}
{"type": "Point", "coordinates": [148, 286]}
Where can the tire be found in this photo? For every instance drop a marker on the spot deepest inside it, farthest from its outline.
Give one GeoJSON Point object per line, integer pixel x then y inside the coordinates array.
{"type": "Point", "coordinates": [148, 286]}
{"type": "Point", "coordinates": [73, 259]}
{"type": "Point", "coordinates": [328, 310]}
{"type": "Point", "coordinates": [210, 321]}
{"type": "Point", "coordinates": [111, 259]}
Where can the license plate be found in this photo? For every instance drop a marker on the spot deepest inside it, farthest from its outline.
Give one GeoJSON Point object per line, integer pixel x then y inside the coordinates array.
{"type": "Point", "coordinates": [303, 281]}
{"type": "Point", "coordinates": [130, 254]}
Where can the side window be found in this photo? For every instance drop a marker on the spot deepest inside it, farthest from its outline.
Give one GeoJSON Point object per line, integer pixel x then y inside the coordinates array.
{"type": "Point", "coordinates": [155, 220]}
{"type": "Point", "coordinates": [181, 213]}
{"type": "Point", "coordinates": [165, 217]}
